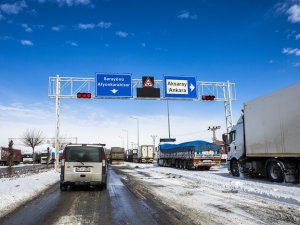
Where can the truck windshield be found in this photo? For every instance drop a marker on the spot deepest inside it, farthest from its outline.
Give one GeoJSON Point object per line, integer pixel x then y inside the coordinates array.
{"type": "Point", "coordinates": [83, 154]}
{"type": "Point", "coordinates": [27, 156]}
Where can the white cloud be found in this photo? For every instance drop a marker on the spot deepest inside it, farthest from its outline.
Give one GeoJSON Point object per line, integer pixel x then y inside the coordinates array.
{"type": "Point", "coordinates": [143, 44]}
{"type": "Point", "coordinates": [291, 51]}
{"type": "Point", "coordinates": [187, 15]}
{"type": "Point", "coordinates": [26, 27]}
{"type": "Point", "coordinates": [122, 34]}
{"type": "Point", "coordinates": [87, 26]}
{"type": "Point", "coordinates": [73, 2]}
{"type": "Point", "coordinates": [5, 38]}
{"type": "Point", "coordinates": [296, 64]}
{"type": "Point", "coordinates": [104, 24]}
{"type": "Point", "coordinates": [297, 36]}
{"type": "Point", "coordinates": [72, 43]}
{"type": "Point", "coordinates": [57, 28]}
{"type": "Point", "coordinates": [294, 14]}
{"type": "Point", "coordinates": [26, 42]}
{"type": "Point", "coordinates": [13, 8]}
{"type": "Point", "coordinates": [271, 61]}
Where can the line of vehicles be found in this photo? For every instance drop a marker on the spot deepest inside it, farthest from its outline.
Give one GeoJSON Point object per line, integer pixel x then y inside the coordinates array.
{"type": "Point", "coordinates": [26, 158]}
{"type": "Point", "coordinates": [264, 142]}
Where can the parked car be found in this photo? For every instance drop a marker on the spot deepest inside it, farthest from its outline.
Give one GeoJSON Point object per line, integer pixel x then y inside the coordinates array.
{"type": "Point", "coordinates": [83, 164]}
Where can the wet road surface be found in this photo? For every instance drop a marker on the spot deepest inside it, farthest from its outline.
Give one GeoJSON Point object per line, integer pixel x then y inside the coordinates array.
{"type": "Point", "coordinates": [85, 205]}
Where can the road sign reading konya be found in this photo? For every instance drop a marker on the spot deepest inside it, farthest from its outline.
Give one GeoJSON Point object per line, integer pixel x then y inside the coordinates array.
{"type": "Point", "coordinates": [113, 85]}
{"type": "Point", "coordinates": [180, 87]}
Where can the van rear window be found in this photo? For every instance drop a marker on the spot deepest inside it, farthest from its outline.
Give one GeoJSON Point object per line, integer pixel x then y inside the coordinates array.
{"type": "Point", "coordinates": [83, 154]}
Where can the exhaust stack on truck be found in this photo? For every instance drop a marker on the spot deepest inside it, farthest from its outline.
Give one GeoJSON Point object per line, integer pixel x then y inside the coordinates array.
{"type": "Point", "coordinates": [266, 139]}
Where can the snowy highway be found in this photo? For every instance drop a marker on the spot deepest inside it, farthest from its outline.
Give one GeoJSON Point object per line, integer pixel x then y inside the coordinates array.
{"type": "Point", "coordinates": [149, 194]}
{"type": "Point", "coordinates": [85, 205]}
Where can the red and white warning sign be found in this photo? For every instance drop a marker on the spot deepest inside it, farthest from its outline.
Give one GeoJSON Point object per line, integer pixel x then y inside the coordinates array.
{"type": "Point", "coordinates": [148, 82]}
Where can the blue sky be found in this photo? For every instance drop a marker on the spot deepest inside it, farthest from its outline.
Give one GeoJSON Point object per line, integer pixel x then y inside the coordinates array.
{"type": "Point", "coordinates": [252, 43]}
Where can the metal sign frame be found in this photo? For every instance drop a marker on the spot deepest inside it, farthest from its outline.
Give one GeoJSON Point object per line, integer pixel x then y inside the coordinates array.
{"type": "Point", "coordinates": [68, 87]}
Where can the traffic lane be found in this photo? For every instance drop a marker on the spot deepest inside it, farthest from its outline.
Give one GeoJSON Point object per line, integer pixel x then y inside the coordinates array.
{"type": "Point", "coordinates": [78, 205]}
{"type": "Point", "coordinates": [85, 205]}
{"type": "Point", "coordinates": [129, 208]}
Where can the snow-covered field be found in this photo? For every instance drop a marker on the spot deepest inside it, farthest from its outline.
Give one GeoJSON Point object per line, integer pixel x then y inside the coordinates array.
{"type": "Point", "coordinates": [15, 191]}
{"type": "Point", "coordinates": [215, 197]}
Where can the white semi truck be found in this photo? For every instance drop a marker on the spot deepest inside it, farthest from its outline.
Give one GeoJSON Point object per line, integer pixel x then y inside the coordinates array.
{"type": "Point", "coordinates": [145, 154]}
{"type": "Point", "coordinates": [266, 139]}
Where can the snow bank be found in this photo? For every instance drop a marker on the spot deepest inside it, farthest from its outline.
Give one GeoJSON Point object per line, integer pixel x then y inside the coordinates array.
{"type": "Point", "coordinates": [15, 191]}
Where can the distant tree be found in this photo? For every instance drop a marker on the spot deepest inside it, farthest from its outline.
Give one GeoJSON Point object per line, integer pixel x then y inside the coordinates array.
{"type": "Point", "coordinates": [10, 157]}
{"type": "Point", "coordinates": [32, 138]}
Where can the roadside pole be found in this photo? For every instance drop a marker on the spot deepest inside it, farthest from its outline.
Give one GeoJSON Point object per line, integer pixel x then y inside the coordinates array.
{"type": "Point", "coordinates": [57, 98]}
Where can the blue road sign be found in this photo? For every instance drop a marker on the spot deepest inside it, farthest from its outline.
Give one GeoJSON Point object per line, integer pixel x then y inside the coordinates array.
{"type": "Point", "coordinates": [113, 85]}
{"type": "Point", "coordinates": [180, 87]}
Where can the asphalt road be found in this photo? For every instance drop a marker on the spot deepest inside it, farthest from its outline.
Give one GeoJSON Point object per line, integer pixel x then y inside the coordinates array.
{"type": "Point", "coordinates": [85, 205]}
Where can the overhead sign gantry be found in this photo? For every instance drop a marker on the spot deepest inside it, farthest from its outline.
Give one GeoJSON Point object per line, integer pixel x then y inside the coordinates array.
{"type": "Point", "coordinates": [122, 86]}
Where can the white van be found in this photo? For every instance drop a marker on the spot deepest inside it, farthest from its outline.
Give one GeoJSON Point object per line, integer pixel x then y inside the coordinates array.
{"type": "Point", "coordinates": [83, 164]}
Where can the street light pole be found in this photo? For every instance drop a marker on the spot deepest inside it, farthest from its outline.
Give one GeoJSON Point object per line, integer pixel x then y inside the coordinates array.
{"type": "Point", "coordinates": [138, 131]}
{"type": "Point", "coordinates": [127, 136]}
{"type": "Point", "coordinates": [213, 129]}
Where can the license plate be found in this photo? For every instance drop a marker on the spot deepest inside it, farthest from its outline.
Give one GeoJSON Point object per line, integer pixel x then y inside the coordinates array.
{"type": "Point", "coordinates": [83, 169]}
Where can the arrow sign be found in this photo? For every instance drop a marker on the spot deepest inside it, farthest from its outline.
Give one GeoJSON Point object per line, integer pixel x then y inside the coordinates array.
{"type": "Point", "coordinates": [113, 85]}
{"type": "Point", "coordinates": [192, 87]}
{"type": "Point", "coordinates": [180, 87]}
{"type": "Point", "coordinates": [114, 91]}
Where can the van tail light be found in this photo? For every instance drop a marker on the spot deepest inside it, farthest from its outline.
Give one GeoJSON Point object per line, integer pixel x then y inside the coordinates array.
{"type": "Point", "coordinates": [103, 163]}
{"type": "Point", "coordinates": [62, 163]}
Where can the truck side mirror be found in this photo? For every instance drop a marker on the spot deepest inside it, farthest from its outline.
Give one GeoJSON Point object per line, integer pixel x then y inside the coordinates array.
{"type": "Point", "coordinates": [225, 138]}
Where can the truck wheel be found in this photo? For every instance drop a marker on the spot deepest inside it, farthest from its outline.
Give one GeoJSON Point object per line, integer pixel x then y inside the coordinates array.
{"type": "Point", "coordinates": [63, 187]}
{"type": "Point", "coordinates": [234, 168]}
{"type": "Point", "coordinates": [184, 164]}
{"type": "Point", "coordinates": [275, 173]}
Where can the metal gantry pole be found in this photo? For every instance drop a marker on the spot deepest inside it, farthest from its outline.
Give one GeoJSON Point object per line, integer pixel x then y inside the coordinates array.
{"type": "Point", "coordinates": [168, 119]}
{"type": "Point", "coordinates": [57, 123]}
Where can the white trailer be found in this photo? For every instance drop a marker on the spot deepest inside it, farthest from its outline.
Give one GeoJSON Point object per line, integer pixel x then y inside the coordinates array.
{"type": "Point", "coordinates": [266, 139]}
{"type": "Point", "coordinates": [145, 154]}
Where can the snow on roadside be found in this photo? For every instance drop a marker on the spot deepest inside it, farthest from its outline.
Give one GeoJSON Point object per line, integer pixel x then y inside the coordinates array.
{"type": "Point", "coordinates": [220, 179]}
{"type": "Point", "coordinates": [215, 197]}
{"type": "Point", "coordinates": [15, 191]}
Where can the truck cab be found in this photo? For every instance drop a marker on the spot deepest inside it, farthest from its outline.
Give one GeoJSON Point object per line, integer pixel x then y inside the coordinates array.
{"type": "Point", "coordinates": [236, 145]}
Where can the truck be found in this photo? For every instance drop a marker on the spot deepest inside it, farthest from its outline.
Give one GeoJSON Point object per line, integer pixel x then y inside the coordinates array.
{"type": "Point", "coordinates": [117, 154]}
{"type": "Point", "coordinates": [4, 153]}
{"type": "Point", "coordinates": [266, 139]}
{"type": "Point", "coordinates": [196, 154]}
{"type": "Point", "coordinates": [145, 154]}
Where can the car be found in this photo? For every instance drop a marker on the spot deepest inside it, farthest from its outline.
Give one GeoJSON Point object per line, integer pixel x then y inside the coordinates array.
{"type": "Point", "coordinates": [83, 164]}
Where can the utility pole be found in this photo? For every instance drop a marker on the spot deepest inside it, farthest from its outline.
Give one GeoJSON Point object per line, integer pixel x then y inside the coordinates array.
{"type": "Point", "coordinates": [213, 129]}
{"type": "Point", "coordinates": [153, 138]}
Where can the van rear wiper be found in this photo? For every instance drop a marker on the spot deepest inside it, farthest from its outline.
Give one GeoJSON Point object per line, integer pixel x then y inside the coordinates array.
{"type": "Point", "coordinates": [79, 161]}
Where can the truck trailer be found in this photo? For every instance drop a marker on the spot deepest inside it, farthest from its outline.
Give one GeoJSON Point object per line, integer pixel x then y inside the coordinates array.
{"type": "Point", "coordinates": [266, 139]}
{"type": "Point", "coordinates": [4, 153]}
{"type": "Point", "coordinates": [189, 155]}
{"type": "Point", "coordinates": [145, 154]}
{"type": "Point", "coordinates": [117, 154]}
